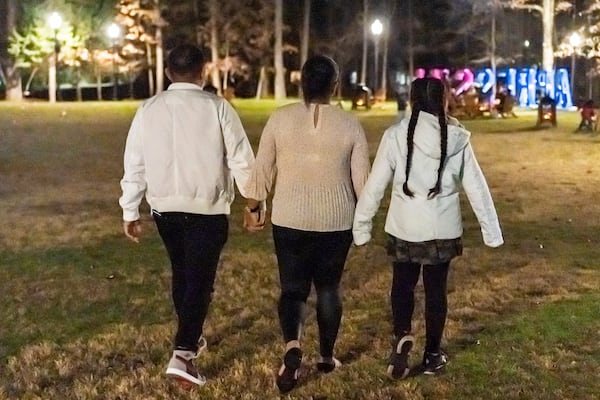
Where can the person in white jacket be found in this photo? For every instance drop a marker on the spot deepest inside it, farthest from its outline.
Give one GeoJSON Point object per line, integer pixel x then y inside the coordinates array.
{"type": "Point", "coordinates": [429, 159]}
{"type": "Point", "coordinates": [184, 149]}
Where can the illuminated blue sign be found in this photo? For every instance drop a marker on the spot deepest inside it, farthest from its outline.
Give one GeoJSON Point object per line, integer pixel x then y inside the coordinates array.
{"type": "Point", "coordinates": [526, 84]}
{"type": "Point", "coordinates": [529, 84]}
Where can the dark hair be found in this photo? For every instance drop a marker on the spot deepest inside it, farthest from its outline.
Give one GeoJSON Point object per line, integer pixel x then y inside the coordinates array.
{"type": "Point", "coordinates": [210, 88]}
{"type": "Point", "coordinates": [428, 95]}
{"type": "Point", "coordinates": [319, 73]}
{"type": "Point", "coordinates": [185, 60]}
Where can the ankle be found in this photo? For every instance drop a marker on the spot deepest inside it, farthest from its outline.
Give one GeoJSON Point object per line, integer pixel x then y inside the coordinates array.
{"type": "Point", "coordinates": [185, 354]}
{"type": "Point", "coordinates": [323, 359]}
{"type": "Point", "coordinates": [292, 344]}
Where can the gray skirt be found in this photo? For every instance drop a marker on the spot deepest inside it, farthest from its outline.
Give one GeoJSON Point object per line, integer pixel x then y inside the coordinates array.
{"type": "Point", "coordinates": [430, 252]}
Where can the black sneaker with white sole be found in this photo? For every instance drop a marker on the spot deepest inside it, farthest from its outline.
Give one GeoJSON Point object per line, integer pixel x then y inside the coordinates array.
{"type": "Point", "coordinates": [398, 366]}
{"type": "Point", "coordinates": [433, 363]}
{"type": "Point", "coordinates": [287, 377]}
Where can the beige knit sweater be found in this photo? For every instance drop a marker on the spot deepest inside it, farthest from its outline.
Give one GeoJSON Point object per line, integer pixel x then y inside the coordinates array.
{"type": "Point", "coordinates": [320, 159]}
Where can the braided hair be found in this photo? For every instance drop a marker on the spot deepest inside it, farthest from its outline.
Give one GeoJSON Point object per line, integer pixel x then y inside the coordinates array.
{"type": "Point", "coordinates": [428, 95]}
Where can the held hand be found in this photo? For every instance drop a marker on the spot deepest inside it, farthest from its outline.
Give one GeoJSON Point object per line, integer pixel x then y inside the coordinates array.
{"type": "Point", "coordinates": [254, 221]}
{"type": "Point", "coordinates": [133, 230]}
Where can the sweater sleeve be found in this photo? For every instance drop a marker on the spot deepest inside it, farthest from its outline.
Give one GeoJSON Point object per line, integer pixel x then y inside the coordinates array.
{"type": "Point", "coordinates": [133, 184]}
{"type": "Point", "coordinates": [359, 162]}
{"type": "Point", "coordinates": [478, 193]}
{"type": "Point", "coordinates": [238, 152]}
{"type": "Point", "coordinates": [262, 176]}
{"type": "Point", "coordinates": [370, 197]}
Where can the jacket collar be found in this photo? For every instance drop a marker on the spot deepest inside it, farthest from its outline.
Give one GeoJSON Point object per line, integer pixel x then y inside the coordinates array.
{"type": "Point", "coordinates": [184, 86]}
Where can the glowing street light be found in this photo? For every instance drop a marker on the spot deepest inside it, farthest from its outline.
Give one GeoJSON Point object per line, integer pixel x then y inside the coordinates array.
{"type": "Point", "coordinates": [114, 32]}
{"type": "Point", "coordinates": [376, 30]}
{"type": "Point", "coordinates": [575, 42]}
{"type": "Point", "coordinates": [55, 22]}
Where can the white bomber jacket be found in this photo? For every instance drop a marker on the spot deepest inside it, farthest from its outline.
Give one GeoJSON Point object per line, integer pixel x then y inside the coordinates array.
{"type": "Point", "coordinates": [421, 219]}
{"type": "Point", "coordinates": [184, 149]}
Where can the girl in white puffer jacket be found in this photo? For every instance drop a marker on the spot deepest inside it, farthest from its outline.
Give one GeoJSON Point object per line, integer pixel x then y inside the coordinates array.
{"type": "Point", "coordinates": [429, 159]}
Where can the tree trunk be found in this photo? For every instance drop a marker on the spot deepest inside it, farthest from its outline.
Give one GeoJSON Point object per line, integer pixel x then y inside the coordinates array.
{"type": "Point", "coordinates": [12, 76]}
{"type": "Point", "coordinates": [411, 53]}
{"type": "Point", "coordinates": [363, 69]}
{"type": "Point", "coordinates": [261, 82]}
{"type": "Point", "coordinates": [547, 46]}
{"type": "Point", "coordinates": [547, 11]}
{"type": "Point", "coordinates": [98, 83]}
{"type": "Point", "coordinates": [150, 70]}
{"type": "Point", "coordinates": [214, 46]}
{"type": "Point", "coordinates": [160, 67]}
{"type": "Point", "coordinates": [78, 85]}
{"type": "Point", "coordinates": [227, 68]}
{"type": "Point", "coordinates": [279, 69]}
{"type": "Point", "coordinates": [305, 33]}
{"type": "Point", "coordinates": [197, 23]}
{"type": "Point", "coordinates": [493, 55]}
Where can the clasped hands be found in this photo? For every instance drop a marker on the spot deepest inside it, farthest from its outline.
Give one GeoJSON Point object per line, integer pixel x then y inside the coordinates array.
{"type": "Point", "coordinates": [254, 217]}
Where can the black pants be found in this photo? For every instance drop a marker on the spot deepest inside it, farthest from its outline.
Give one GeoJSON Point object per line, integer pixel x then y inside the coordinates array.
{"type": "Point", "coordinates": [194, 243]}
{"type": "Point", "coordinates": [406, 276]}
{"type": "Point", "coordinates": [307, 258]}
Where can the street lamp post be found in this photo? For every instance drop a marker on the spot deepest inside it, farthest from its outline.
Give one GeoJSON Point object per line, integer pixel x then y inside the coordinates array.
{"type": "Point", "coordinates": [114, 32]}
{"type": "Point", "coordinates": [575, 41]}
{"type": "Point", "coordinates": [55, 21]}
{"type": "Point", "coordinates": [376, 30]}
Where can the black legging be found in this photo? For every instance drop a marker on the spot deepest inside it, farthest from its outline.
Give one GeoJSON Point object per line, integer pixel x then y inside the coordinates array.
{"type": "Point", "coordinates": [306, 258]}
{"type": "Point", "coordinates": [406, 276]}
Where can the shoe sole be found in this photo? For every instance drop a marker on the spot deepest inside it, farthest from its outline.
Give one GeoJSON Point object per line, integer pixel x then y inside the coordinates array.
{"type": "Point", "coordinates": [437, 370]}
{"type": "Point", "coordinates": [179, 375]}
{"type": "Point", "coordinates": [326, 367]}
{"type": "Point", "coordinates": [184, 384]}
{"type": "Point", "coordinates": [287, 376]}
{"type": "Point", "coordinates": [434, 372]}
{"type": "Point", "coordinates": [398, 368]}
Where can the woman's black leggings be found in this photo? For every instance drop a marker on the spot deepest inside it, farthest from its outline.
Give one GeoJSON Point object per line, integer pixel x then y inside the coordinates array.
{"type": "Point", "coordinates": [307, 258]}
{"type": "Point", "coordinates": [406, 276]}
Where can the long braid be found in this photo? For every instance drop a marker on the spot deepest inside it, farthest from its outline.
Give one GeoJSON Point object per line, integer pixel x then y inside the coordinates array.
{"type": "Point", "coordinates": [414, 116]}
{"type": "Point", "coordinates": [444, 149]}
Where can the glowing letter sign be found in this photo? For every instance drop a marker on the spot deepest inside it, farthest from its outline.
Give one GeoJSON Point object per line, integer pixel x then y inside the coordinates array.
{"type": "Point", "coordinates": [526, 84]}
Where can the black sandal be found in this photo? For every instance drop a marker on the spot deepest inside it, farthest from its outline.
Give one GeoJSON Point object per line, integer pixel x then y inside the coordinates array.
{"type": "Point", "coordinates": [288, 373]}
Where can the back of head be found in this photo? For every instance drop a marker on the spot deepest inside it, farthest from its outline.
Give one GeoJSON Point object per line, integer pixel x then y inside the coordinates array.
{"type": "Point", "coordinates": [429, 95]}
{"type": "Point", "coordinates": [185, 62]}
{"type": "Point", "coordinates": [319, 75]}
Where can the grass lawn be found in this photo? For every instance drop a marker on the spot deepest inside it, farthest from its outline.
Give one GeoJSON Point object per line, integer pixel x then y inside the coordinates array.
{"type": "Point", "coordinates": [87, 315]}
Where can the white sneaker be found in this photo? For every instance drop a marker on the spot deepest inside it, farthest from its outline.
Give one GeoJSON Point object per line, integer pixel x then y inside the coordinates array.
{"type": "Point", "coordinates": [182, 368]}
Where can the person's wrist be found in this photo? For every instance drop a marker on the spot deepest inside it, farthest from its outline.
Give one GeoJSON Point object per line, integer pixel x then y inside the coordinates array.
{"type": "Point", "coordinates": [252, 210]}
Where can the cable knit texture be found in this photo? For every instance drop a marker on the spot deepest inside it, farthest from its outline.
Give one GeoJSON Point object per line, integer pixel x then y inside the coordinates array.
{"type": "Point", "coordinates": [319, 155]}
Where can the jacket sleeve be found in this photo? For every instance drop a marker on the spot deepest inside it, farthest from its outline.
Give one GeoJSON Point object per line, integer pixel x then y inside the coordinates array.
{"type": "Point", "coordinates": [261, 179]}
{"type": "Point", "coordinates": [133, 184]}
{"type": "Point", "coordinates": [238, 152]}
{"type": "Point", "coordinates": [359, 161]}
{"type": "Point", "coordinates": [478, 193]}
{"type": "Point", "coordinates": [371, 195]}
